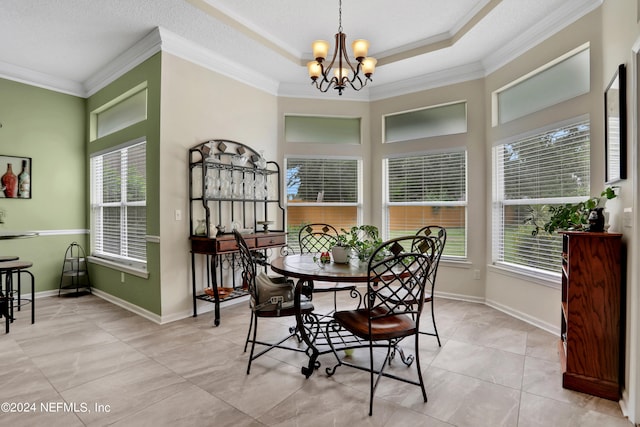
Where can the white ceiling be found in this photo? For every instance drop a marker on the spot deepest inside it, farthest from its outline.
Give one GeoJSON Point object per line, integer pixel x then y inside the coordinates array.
{"type": "Point", "coordinates": [78, 46]}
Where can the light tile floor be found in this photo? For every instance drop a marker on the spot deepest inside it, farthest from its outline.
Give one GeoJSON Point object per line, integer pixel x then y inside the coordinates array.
{"type": "Point", "coordinates": [89, 362]}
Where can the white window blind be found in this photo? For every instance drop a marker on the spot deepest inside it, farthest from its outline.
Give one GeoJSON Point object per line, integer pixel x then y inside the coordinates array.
{"type": "Point", "coordinates": [532, 173]}
{"type": "Point", "coordinates": [322, 191]}
{"type": "Point", "coordinates": [119, 213]}
{"type": "Point", "coordinates": [429, 189]}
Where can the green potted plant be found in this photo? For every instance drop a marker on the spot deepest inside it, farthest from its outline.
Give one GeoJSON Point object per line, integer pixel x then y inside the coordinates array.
{"type": "Point", "coordinates": [341, 252]}
{"type": "Point", "coordinates": [361, 239]}
{"type": "Point", "coordinates": [570, 216]}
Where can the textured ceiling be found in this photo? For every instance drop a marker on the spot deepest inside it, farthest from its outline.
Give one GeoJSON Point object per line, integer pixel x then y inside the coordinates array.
{"type": "Point", "coordinates": [64, 44]}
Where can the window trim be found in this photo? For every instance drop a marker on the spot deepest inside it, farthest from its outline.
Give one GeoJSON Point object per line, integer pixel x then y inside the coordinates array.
{"type": "Point", "coordinates": [428, 107]}
{"type": "Point", "coordinates": [495, 107]}
{"type": "Point", "coordinates": [129, 265]}
{"type": "Point", "coordinates": [359, 187]}
{"type": "Point", "coordinates": [94, 115]}
{"type": "Point", "coordinates": [386, 203]}
{"type": "Point", "coordinates": [540, 276]}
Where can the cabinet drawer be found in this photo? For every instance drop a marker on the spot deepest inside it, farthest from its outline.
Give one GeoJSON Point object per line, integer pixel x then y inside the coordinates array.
{"type": "Point", "coordinates": [275, 240]}
{"type": "Point", "coordinates": [203, 245]}
{"type": "Point", "coordinates": [229, 245]}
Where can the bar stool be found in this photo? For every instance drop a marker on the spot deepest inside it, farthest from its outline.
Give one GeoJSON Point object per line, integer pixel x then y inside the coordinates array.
{"type": "Point", "coordinates": [4, 300]}
{"type": "Point", "coordinates": [9, 269]}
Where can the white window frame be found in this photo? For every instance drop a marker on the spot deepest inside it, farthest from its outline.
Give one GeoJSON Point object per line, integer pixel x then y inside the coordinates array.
{"type": "Point", "coordinates": [321, 203]}
{"type": "Point", "coordinates": [499, 202]}
{"type": "Point", "coordinates": [440, 203]}
{"type": "Point", "coordinates": [121, 260]}
{"type": "Point", "coordinates": [425, 122]}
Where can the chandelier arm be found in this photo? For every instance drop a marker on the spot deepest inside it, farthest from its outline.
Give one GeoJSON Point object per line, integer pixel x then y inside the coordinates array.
{"type": "Point", "coordinates": [320, 86]}
{"type": "Point", "coordinates": [362, 83]}
{"type": "Point", "coordinates": [343, 53]}
{"type": "Point", "coordinates": [325, 84]}
{"type": "Point", "coordinates": [356, 73]}
{"type": "Point", "coordinates": [327, 70]}
{"type": "Point", "coordinates": [324, 72]}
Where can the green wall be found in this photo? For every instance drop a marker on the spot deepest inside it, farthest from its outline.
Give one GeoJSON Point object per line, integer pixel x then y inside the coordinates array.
{"type": "Point", "coordinates": [142, 292]}
{"type": "Point", "coordinates": [49, 127]}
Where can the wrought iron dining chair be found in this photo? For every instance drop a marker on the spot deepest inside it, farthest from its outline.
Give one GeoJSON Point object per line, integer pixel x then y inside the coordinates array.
{"type": "Point", "coordinates": [317, 237]}
{"type": "Point", "coordinates": [269, 297]}
{"type": "Point", "coordinates": [398, 275]}
{"type": "Point", "coordinates": [439, 236]}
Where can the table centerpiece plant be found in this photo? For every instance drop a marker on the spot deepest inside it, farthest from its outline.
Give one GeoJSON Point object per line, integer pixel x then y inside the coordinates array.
{"type": "Point", "coordinates": [361, 240]}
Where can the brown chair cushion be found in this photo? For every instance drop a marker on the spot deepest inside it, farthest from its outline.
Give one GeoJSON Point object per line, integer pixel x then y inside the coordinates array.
{"type": "Point", "coordinates": [389, 327]}
{"type": "Point", "coordinates": [287, 310]}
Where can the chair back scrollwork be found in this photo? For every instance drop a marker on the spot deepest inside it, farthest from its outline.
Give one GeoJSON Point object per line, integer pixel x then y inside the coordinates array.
{"type": "Point", "coordinates": [314, 238]}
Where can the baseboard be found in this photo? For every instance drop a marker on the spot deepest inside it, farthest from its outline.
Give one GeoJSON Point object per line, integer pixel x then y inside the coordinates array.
{"type": "Point", "coordinates": [459, 297]}
{"type": "Point", "coordinates": [127, 306]}
{"type": "Point", "coordinates": [203, 307]}
{"type": "Point", "coordinates": [552, 329]}
{"type": "Point", "coordinates": [206, 307]}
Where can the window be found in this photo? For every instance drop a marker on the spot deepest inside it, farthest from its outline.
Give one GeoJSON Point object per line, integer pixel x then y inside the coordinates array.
{"type": "Point", "coordinates": [324, 191]}
{"type": "Point", "coordinates": [448, 119]}
{"type": "Point", "coordinates": [128, 109]}
{"type": "Point", "coordinates": [531, 173]}
{"type": "Point", "coordinates": [322, 130]}
{"type": "Point", "coordinates": [560, 80]}
{"type": "Point", "coordinates": [429, 189]}
{"type": "Point", "coordinates": [118, 204]}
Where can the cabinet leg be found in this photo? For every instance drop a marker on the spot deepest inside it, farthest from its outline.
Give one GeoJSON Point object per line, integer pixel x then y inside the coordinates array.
{"type": "Point", "coordinates": [193, 284]}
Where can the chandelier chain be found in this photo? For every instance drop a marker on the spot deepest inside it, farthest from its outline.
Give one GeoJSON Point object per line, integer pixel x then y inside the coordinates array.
{"type": "Point", "coordinates": [340, 16]}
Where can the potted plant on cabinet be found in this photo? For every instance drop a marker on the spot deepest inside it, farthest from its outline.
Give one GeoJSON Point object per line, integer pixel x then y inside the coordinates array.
{"type": "Point", "coordinates": [584, 215]}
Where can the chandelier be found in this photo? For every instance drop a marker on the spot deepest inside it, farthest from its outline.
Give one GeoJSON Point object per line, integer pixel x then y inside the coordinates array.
{"type": "Point", "coordinates": [337, 74]}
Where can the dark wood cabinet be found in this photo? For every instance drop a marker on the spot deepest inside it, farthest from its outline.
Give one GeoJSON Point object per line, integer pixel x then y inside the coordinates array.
{"type": "Point", "coordinates": [590, 345]}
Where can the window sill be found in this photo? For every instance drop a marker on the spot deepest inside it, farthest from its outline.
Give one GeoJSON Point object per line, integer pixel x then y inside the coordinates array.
{"type": "Point", "coordinates": [139, 272]}
{"type": "Point", "coordinates": [545, 279]}
{"type": "Point", "coordinates": [454, 263]}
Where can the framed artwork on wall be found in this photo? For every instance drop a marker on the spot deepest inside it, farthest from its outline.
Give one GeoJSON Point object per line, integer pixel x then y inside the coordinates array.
{"type": "Point", "coordinates": [15, 177]}
{"type": "Point", "coordinates": [615, 127]}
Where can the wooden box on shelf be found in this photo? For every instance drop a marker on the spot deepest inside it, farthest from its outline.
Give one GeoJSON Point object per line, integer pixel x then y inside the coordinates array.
{"type": "Point", "coordinates": [590, 341]}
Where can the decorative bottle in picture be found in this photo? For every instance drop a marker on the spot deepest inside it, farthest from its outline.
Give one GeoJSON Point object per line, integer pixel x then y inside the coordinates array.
{"type": "Point", "coordinates": [24, 182]}
{"type": "Point", "coordinates": [9, 182]}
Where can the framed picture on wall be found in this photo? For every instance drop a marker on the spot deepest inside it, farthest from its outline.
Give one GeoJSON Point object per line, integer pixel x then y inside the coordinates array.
{"type": "Point", "coordinates": [15, 177]}
{"type": "Point", "coordinates": [615, 127]}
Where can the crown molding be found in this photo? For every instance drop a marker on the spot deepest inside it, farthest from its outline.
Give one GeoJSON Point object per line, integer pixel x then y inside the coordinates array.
{"type": "Point", "coordinates": [160, 39]}
{"type": "Point", "coordinates": [439, 41]}
{"type": "Point", "coordinates": [189, 51]}
{"type": "Point", "coordinates": [309, 91]}
{"type": "Point", "coordinates": [375, 92]}
{"type": "Point", "coordinates": [144, 49]}
{"type": "Point", "coordinates": [219, 11]}
{"type": "Point", "coordinates": [37, 79]}
{"type": "Point", "coordinates": [567, 15]}
{"type": "Point", "coordinates": [440, 78]}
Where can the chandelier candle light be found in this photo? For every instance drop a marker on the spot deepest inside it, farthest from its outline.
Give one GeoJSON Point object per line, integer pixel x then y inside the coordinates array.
{"type": "Point", "coordinates": [321, 74]}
